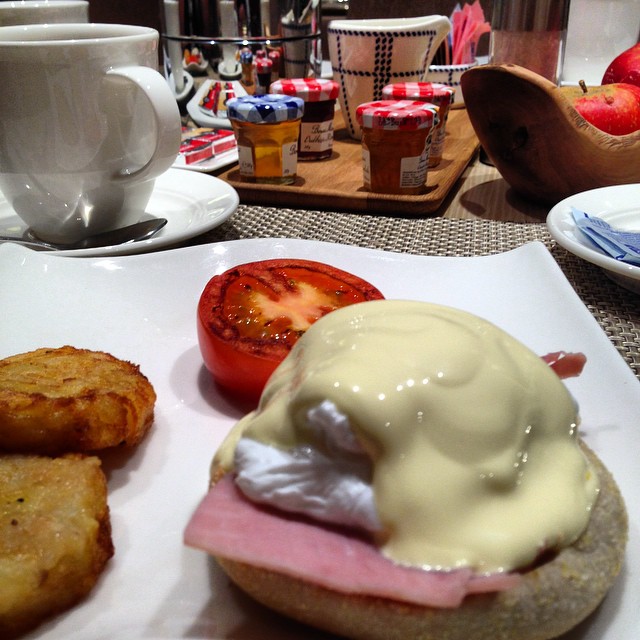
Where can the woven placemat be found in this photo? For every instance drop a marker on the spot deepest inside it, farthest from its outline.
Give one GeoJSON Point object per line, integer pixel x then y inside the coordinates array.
{"type": "Point", "coordinates": [616, 309]}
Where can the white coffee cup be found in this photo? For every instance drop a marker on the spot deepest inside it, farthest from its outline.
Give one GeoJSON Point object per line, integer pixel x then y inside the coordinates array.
{"type": "Point", "coordinates": [43, 12]}
{"type": "Point", "coordinates": [367, 55]}
{"type": "Point", "coordinates": [86, 124]}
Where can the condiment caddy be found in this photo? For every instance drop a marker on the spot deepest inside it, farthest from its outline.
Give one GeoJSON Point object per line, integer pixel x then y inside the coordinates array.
{"type": "Point", "coordinates": [336, 183]}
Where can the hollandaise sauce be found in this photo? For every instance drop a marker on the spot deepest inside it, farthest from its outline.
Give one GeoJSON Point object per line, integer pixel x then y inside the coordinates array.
{"type": "Point", "coordinates": [470, 437]}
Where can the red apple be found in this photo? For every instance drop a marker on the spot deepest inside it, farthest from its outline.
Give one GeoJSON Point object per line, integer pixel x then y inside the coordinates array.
{"type": "Point", "coordinates": [613, 108]}
{"type": "Point", "coordinates": [625, 67]}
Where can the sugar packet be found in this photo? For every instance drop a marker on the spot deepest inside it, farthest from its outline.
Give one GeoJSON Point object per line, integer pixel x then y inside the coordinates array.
{"type": "Point", "coordinates": [621, 245]}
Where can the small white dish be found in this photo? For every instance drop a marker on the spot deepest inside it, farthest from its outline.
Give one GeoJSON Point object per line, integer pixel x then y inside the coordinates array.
{"type": "Point", "coordinates": [195, 62]}
{"type": "Point", "coordinates": [450, 74]}
{"type": "Point", "coordinates": [620, 207]}
{"type": "Point", "coordinates": [196, 67]}
{"type": "Point", "coordinates": [192, 203]}
{"type": "Point", "coordinates": [202, 116]}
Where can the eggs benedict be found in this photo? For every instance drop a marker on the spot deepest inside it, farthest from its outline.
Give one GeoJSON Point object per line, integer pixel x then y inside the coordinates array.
{"type": "Point", "coordinates": [432, 446]}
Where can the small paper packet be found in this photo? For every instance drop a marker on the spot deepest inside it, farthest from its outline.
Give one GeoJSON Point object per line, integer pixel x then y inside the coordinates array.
{"type": "Point", "coordinates": [621, 245]}
{"type": "Point", "coordinates": [199, 145]}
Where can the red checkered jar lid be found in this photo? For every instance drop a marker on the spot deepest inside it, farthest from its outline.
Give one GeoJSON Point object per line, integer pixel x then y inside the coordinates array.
{"type": "Point", "coordinates": [403, 115]}
{"type": "Point", "coordinates": [308, 89]}
{"type": "Point", "coordinates": [416, 91]}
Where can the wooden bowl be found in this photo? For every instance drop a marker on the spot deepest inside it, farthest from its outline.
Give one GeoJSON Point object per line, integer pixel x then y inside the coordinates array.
{"type": "Point", "coordinates": [538, 141]}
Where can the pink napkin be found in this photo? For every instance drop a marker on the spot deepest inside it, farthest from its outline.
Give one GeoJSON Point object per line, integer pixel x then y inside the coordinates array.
{"type": "Point", "coordinates": [468, 25]}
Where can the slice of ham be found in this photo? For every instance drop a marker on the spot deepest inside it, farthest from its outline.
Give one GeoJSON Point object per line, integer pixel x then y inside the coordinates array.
{"type": "Point", "coordinates": [228, 525]}
{"type": "Point", "coordinates": [566, 365]}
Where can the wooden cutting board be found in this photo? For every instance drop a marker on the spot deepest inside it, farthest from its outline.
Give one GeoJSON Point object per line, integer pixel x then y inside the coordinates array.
{"type": "Point", "coordinates": [336, 183]}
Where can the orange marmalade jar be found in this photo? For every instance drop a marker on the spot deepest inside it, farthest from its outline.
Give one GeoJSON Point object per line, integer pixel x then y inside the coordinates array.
{"type": "Point", "coordinates": [266, 129]}
{"type": "Point", "coordinates": [441, 95]}
{"type": "Point", "coordinates": [396, 136]}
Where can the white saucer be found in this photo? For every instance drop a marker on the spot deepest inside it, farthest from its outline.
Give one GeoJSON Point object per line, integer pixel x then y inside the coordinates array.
{"type": "Point", "coordinates": [192, 203]}
{"type": "Point", "coordinates": [620, 207]}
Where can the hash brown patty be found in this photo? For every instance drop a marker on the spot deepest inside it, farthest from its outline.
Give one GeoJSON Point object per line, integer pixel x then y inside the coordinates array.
{"type": "Point", "coordinates": [64, 400]}
{"type": "Point", "coordinates": [55, 536]}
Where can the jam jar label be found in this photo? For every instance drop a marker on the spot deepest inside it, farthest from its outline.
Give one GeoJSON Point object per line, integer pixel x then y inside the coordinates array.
{"type": "Point", "coordinates": [366, 167]}
{"type": "Point", "coordinates": [316, 136]}
{"type": "Point", "coordinates": [245, 161]}
{"type": "Point", "coordinates": [437, 143]}
{"type": "Point", "coordinates": [413, 171]}
{"type": "Point", "coordinates": [289, 158]}
{"type": "Point", "coordinates": [288, 167]}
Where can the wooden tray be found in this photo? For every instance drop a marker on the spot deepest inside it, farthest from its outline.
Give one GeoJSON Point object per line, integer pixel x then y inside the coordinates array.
{"type": "Point", "coordinates": [336, 183]}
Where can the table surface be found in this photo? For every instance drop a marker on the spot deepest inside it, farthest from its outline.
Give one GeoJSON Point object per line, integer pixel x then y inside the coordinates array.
{"type": "Point", "coordinates": [482, 215]}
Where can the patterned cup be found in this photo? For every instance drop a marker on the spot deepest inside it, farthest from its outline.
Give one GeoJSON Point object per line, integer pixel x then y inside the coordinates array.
{"type": "Point", "coordinates": [367, 55]}
{"type": "Point", "coordinates": [450, 75]}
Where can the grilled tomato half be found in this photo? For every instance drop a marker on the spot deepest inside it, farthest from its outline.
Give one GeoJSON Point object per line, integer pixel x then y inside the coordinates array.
{"type": "Point", "coordinates": [250, 316]}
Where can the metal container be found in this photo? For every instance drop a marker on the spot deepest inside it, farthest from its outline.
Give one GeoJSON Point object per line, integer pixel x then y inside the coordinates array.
{"type": "Point", "coordinates": [530, 33]}
{"type": "Point", "coordinates": [220, 28]}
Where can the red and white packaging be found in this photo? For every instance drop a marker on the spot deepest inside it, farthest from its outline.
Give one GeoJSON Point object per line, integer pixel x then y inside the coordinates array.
{"type": "Point", "coordinates": [202, 144]}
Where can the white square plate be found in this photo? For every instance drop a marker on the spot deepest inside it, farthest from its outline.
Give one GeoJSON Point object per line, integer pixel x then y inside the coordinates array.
{"type": "Point", "coordinates": [142, 308]}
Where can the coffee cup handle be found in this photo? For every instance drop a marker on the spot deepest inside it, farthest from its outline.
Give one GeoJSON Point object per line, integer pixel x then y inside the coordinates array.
{"type": "Point", "coordinates": [167, 116]}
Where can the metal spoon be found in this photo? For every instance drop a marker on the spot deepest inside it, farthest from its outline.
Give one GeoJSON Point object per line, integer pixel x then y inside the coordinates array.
{"type": "Point", "coordinates": [132, 233]}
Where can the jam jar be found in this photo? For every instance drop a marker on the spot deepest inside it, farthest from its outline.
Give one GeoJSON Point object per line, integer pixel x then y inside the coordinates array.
{"type": "Point", "coordinates": [266, 129]}
{"type": "Point", "coordinates": [396, 136]}
{"type": "Point", "coordinates": [316, 128]}
{"type": "Point", "coordinates": [264, 68]}
{"type": "Point", "coordinates": [435, 93]}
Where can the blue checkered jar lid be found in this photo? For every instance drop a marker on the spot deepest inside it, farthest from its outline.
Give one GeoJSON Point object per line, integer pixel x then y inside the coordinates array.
{"type": "Point", "coordinates": [267, 109]}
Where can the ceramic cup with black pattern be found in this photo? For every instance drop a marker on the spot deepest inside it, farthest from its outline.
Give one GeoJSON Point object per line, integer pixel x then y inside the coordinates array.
{"type": "Point", "coordinates": [367, 55]}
